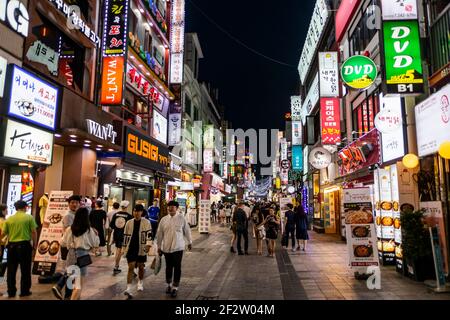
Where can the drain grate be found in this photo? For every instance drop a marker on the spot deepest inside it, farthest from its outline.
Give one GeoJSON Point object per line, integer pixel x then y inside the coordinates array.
{"type": "Point", "coordinates": [207, 298]}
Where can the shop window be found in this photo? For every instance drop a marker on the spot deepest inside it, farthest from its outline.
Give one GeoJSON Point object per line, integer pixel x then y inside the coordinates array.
{"type": "Point", "coordinates": [363, 33]}
{"type": "Point", "coordinates": [364, 114]}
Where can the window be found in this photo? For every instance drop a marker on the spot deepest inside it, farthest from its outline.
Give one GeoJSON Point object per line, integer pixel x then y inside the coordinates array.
{"type": "Point", "coordinates": [440, 43]}
{"type": "Point", "coordinates": [132, 22]}
{"type": "Point", "coordinates": [362, 35]}
{"type": "Point", "coordinates": [196, 115]}
{"type": "Point", "coordinates": [364, 114]}
{"type": "Point", "coordinates": [187, 106]}
{"type": "Point", "coordinates": [148, 41]}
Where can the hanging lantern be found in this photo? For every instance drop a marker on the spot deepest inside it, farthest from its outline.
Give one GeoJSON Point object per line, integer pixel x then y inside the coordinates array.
{"type": "Point", "coordinates": [410, 161]}
{"type": "Point", "coordinates": [444, 150]}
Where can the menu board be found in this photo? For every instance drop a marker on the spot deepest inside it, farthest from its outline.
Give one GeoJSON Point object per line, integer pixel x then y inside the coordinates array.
{"type": "Point", "coordinates": [360, 229]}
{"type": "Point", "coordinates": [204, 216]}
{"type": "Point", "coordinates": [49, 244]}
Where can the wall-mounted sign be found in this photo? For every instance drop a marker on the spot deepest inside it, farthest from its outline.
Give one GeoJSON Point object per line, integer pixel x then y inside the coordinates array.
{"type": "Point", "coordinates": [297, 158]}
{"type": "Point", "coordinates": [174, 129]}
{"type": "Point", "coordinates": [403, 60]}
{"type": "Point", "coordinates": [208, 160]}
{"type": "Point", "coordinates": [112, 81]}
{"type": "Point", "coordinates": [328, 74]}
{"type": "Point", "coordinates": [297, 133]}
{"type": "Point", "coordinates": [296, 108]}
{"type": "Point", "coordinates": [103, 132]}
{"type": "Point", "coordinates": [359, 72]}
{"type": "Point", "coordinates": [331, 120]}
{"type": "Point", "coordinates": [344, 14]}
{"type": "Point", "coordinates": [74, 20]}
{"type": "Point", "coordinates": [318, 21]}
{"type": "Point", "coordinates": [208, 137]}
{"type": "Point", "coordinates": [159, 125]}
{"type": "Point", "coordinates": [27, 143]}
{"type": "Point", "coordinates": [399, 10]}
{"type": "Point", "coordinates": [311, 99]}
{"type": "Point", "coordinates": [177, 41]}
{"type": "Point", "coordinates": [145, 151]}
{"type": "Point", "coordinates": [31, 98]}
{"type": "Point", "coordinates": [362, 153]}
{"type": "Point", "coordinates": [433, 122]}
{"type": "Point", "coordinates": [14, 13]}
{"type": "Point", "coordinates": [320, 158]}
{"type": "Point", "coordinates": [115, 28]}
{"type": "Point", "coordinates": [40, 53]}
{"type": "Point", "coordinates": [3, 71]}
{"type": "Point", "coordinates": [283, 149]}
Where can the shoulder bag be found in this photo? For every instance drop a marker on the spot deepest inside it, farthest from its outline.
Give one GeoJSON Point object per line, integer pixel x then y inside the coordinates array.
{"type": "Point", "coordinates": [84, 260]}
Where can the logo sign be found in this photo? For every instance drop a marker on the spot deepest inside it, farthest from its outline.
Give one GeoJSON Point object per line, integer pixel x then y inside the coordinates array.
{"type": "Point", "coordinates": [359, 72]}
{"type": "Point", "coordinates": [159, 131]}
{"type": "Point", "coordinates": [285, 164]}
{"type": "Point", "coordinates": [403, 61]}
{"type": "Point", "coordinates": [433, 122]}
{"type": "Point", "coordinates": [174, 129]}
{"type": "Point", "coordinates": [297, 158]}
{"type": "Point", "coordinates": [296, 108]}
{"type": "Point", "coordinates": [315, 31]}
{"type": "Point", "coordinates": [26, 143]}
{"type": "Point", "coordinates": [32, 99]}
{"type": "Point", "coordinates": [297, 133]}
{"type": "Point", "coordinates": [103, 132]}
{"type": "Point", "coordinates": [115, 28]}
{"type": "Point", "coordinates": [399, 10]}
{"type": "Point", "coordinates": [14, 13]}
{"type": "Point", "coordinates": [40, 53]}
{"type": "Point", "coordinates": [112, 81]}
{"type": "Point", "coordinates": [328, 74]}
{"type": "Point", "coordinates": [331, 120]}
{"type": "Point", "coordinates": [208, 160]}
{"type": "Point", "coordinates": [177, 41]}
{"type": "Point", "coordinates": [320, 158]}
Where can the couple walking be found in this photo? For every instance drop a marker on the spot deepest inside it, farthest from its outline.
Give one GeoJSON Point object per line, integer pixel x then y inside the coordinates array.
{"type": "Point", "coordinates": [296, 228]}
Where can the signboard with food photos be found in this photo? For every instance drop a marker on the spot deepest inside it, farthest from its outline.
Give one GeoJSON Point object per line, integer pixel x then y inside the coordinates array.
{"type": "Point", "coordinates": [49, 244]}
{"type": "Point", "coordinates": [360, 229]}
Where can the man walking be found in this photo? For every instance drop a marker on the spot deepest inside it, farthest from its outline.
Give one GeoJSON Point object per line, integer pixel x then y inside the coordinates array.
{"type": "Point", "coordinates": [137, 241]}
{"type": "Point", "coordinates": [20, 230]}
{"type": "Point", "coordinates": [109, 217]}
{"type": "Point", "coordinates": [153, 216]}
{"type": "Point", "coordinates": [241, 220]}
{"type": "Point", "coordinates": [173, 232]}
{"type": "Point", "coordinates": [118, 222]}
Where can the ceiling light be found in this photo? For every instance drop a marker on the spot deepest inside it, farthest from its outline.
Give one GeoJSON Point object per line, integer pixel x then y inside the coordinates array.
{"type": "Point", "coordinates": [87, 141]}
{"type": "Point", "coordinates": [87, 145]}
{"type": "Point", "coordinates": [98, 149]}
{"type": "Point", "coordinates": [73, 140]}
{"type": "Point", "coordinates": [73, 136]}
{"type": "Point", "coordinates": [58, 135]}
{"type": "Point", "coordinates": [110, 150]}
{"type": "Point", "coordinates": [99, 146]}
{"type": "Point", "coordinates": [141, 10]}
{"type": "Point", "coordinates": [23, 164]}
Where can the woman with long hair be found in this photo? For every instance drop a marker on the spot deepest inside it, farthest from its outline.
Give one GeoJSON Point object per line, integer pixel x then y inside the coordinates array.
{"type": "Point", "coordinates": [273, 223]}
{"type": "Point", "coordinates": [301, 227]}
{"type": "Point", "coordinates": [80, 238]}
{"type": "Point", "coordinates": [258, 226]}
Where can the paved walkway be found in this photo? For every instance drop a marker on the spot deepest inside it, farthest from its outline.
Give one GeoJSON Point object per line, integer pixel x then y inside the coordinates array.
{"type": "Point", "coordinates": [210, 271]}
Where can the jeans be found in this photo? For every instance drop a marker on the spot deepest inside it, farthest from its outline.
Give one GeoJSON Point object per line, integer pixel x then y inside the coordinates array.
{"type": "Point", "coordinates": [291, 233]}
{"type": "Point", "coordinates": [173, 267]}
{"type": "Point", "coordinates": [19, 253]}
{"type": "Point", "coordinates": [241, 233]}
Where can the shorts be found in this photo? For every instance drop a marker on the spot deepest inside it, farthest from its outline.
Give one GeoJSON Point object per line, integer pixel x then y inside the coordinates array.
{"type": "Point", "coordinates": [136, 258]}
{"type": "Point", "coordinates": [118, 242]}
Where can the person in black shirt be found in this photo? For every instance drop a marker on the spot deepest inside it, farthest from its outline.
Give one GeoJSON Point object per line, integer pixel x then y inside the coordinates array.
{"type": "Point", "coordinates": [97, 219]}
{"type": "Point", "coordinates": [290, 227]}
{"type": "Point", "coordinates": [117, 224]}
{"type": "Point", "coordinates": [241, 228]}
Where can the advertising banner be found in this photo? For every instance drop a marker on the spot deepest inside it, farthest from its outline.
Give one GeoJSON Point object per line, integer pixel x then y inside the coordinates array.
{"type": "Point", "coordinates": [296, 108]}
{"type": "Point", "coordinates": [204, 216]}
{"type": "Point", "coordinates": [360, 228]}
{"type": "Point", "coordinates": [208, 160]}
{"type": "Point", "coordinates": [159, 131]}
{"type": "Point", "coordinates": [403, 60]}
{"type": "Point", "coordinates": [49, 244]}
{"type": "Point", "coordinates": [115, 28]}
{"type": "Point", "coordinates": [174, 129]}
{"type": "Point", "coordinates": [297, 133]}
{"type": "Point", "coordinates": [177, 41]}
{"type": "Point", "coordinates": [112, 81]}
{"type": "Point", "coordinates": [328, 74]}
{"type": "Point", "coordinates": [331, 120]}
{"type": "Point", "coordinates": [297, 158]}
{"type": "Point", "coordinates": [399, 10]}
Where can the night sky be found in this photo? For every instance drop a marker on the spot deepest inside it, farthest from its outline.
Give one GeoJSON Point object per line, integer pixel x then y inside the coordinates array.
{"type": "Point", "coordinates": [255, 91]}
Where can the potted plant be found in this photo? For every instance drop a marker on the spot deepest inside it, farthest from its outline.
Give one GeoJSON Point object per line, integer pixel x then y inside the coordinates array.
{"type": "Point", "coordinates": [417, 252]}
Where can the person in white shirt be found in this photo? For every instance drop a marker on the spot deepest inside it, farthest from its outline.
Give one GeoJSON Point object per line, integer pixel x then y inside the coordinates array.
{"type": "Point", "coordinates": [173, 233]}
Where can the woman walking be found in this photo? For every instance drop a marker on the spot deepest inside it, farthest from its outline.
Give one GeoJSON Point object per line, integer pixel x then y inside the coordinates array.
{"type": "Point", "coordinates": [301, 226]}
{"type": "Point", "coordinates": [273, 223]}
{"type": "Point", "coordinates": [258, 225]}
{"type": "Point", "coordinates": [80, 238]}
{"type": "Point", "coordinates": [228, 214]}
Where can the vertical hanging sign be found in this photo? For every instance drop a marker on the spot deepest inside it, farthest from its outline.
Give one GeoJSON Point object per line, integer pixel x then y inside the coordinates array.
{"type": "Point", "coordinates": [177, 41]}
{"type": "Point", "coordinates": [328, 74]}
{"type": "Point", "coordinates": [331, 120]}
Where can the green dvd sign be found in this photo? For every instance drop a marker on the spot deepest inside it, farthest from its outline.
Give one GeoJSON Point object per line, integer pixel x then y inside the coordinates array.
{"type": "Point", "coordinates": [359, 72]}
{"type": "Point", "coordinates": [402, 54]}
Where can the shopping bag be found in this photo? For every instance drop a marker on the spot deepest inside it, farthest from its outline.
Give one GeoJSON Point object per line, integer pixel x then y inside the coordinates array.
{"type": "Point", "coordinates": [156, 264]}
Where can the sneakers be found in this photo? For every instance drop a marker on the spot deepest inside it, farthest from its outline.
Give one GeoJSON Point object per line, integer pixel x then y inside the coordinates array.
{"type": "Point", "coordinates": [116, 270]}
{"type": "Point", "coordinates": [169, 289]}
{"type": "Point", "coordinates": [140, 286]}
{"type": "Point", "coordinates": [25, 294]}
{"type": "Point", "coordinates": [174, 292]}
{"type": "Point", "coordinates": [128, 292]}
{"type": "Point", "coordinates": [57, 292]}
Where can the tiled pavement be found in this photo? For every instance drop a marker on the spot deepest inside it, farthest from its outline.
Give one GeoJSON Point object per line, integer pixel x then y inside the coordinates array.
{"type": "Point", "coordinates": [210, 271]}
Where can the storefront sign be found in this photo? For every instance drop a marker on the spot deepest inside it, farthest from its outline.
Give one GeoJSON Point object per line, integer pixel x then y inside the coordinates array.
{"type": "Point", "coordinates": [3, 70]}
{"type": "Point", "coordinates": [112, 81]}
{"type": "Point", "coordinates": [296, 108]}
{"type": "Point", "coordinates": [174, 129]}
{"type": "Point", "coordinates": [331, 120]}
{"type": "Point", "coordinates": [115, 28]}
{"type": "Point", "coordinates": [403, 61]}
{"type": "Point", "coordinates": [433, 122]}
{"type": "Point", "coordinates": [32, 99]}
{"type": "Point", "coordinates": [359, 72]}
{"type": "Point", "coordinates": [177, 41]}
{"type": "Point", "coordinates": [208, 160]}
{"type": "Point", "coordinates": [311, 99]}
{"type": "Point", "coordinates": [362, 153]}
{"type": "Point", "coordinates": [318, 21]}
{"type": "Point", "coordinates": [145, 151]}
{"type": "Point", "coordinates": [137, 80]}
{"type": "Point", "coordinates": [399, 10]}
{"type": "Point", "coordinates": [344, 14]}
{"type": "Point", "coordinates": [297, 158]}
{"type": "Point", "coordinates": [389, 122]}
{"type": "Point", "coordinates": [49, 244]}
{"type": "Point", "coordinates": [159, 131]}
{"type": "Point", "coordinates": [40, 53]}
{"type": "Point", "coordinates": [320, 158]}
{"type": "Point", "coordinates": [14, 13]}
{"type": "Point", "coordinates": [328, 74]}
{"type": "Point", "coordinates": [297, 133]}
{"type": "Point", "coordinates": [103, 132]}
{"type": "Point", "coordinates": [27, 143]}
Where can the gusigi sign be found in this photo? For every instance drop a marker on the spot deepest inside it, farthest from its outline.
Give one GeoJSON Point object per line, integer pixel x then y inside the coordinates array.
{"type": "Point", "coordinates": [112, 81]}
